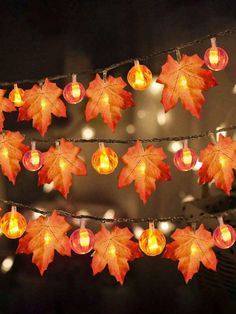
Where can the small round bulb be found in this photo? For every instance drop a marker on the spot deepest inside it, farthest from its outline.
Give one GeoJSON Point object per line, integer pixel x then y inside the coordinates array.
{"type": "Point", "coordinates": [139, 76]}
{"type": "Point", "coordinates": [224, 236]}
{"type": "Point", "coordinates": [104, 160]}
{"type": "Point", "coordinates": [74, 92]}
{"type": "Point", "coordinates": [16, 96]}
{"type": "Point", "coordinates": [33, 159]}
{"type": "Point", "coordinates": [13, 224]}
{"type": "Point", "coordinates": [215, 57]}
{"type": "Point", "coordinates": [152, 241]}
{"type": "Point", "coordinates": [185, 159]}
{"type": "Point", "coordinates": [82, 240]}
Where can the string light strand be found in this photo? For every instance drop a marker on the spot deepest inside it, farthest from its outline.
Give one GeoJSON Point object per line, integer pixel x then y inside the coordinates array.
{"type": "Point", "coordinates": [180, 218]}
{"type": "Point", "coordinates": [143, 140]}
{"type": "Point", "coordinates": [226, 32]}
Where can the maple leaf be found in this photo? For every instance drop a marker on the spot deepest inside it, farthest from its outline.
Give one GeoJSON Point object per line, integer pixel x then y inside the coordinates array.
{"type": "Point", "coordinates": [59, 165]}
{"type": "Point", "coordinates": [44, 236]}
{"type": "Point", "coordinates": [190, 248]}
{"type": "Point", "coordinates": [219, 160]}
{"type": "Point", "coordinates": [185, 80]}
{"type": "Point", "coordinates": [11, 152]}
{"type": "Point", "coordinates": [39, 105]}
{"type": "Point", "coordinates": [114, 249]}
{"type": "Point", "coordinates": [5, 105]}
{"type": "Point", "coordinates": [144, 167]}
{"type": "Point", "coordinates": [107, 98]}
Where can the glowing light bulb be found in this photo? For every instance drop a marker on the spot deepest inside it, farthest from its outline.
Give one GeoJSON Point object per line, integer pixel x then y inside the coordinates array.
{"type": "Point", "coordinates": [224, 235]}
{"type": "Point", "coordinates": [43, 103]}
{"type": "Point", "coordinates": [62, 164]}
{"type": "Point", "coordinates": [112, 250]}
{"type": "Point", "coordinates": [215, 57]}
{"type": "Point", "coordinates": [194, 249]}
{"type": "Point", "coordinates": [82, 240]}
{"type": "Point", "coordinates": [47, 238]}
{"type": "Point", "coordinates": [104, 160]}
{"type": "Point", "coordinates": [142, 167]}
{"type": "Point", "coordinates": [13, 224]}
{"type": "Point", "coordinates": [183, 82]}
{"type": "Point", "coordinates": [223, 161]}
{"type": "Point", "coordinates": [5, 152]}
{"type": "Point", "coordinates": [105, 99]}
{"type": "Point", "coordinates": [16, 96]}
{"type": "Point", "coordinates": [139, 76]}
{"type": "Point", "coordinates": [33, 159]}
{"type": "Point", "coordinates": [152, 241]}
{"type": "Point", "coordinates": [185, 159]}
{"type": "Point", "coordinates": [74, 92]}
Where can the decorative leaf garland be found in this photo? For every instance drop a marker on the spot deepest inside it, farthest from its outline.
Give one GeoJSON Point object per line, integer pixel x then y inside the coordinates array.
{"type": "Point", "coordinates": [40, 103]}
{"type": "Point", "coordinates": [185, 80]}
{"type": "Point", "coordinates": [190, 248]}
{"type": "Point", "coordinates": [11, 153]}
{"type": "Point", "coordinates": [219, 160]}
{"type": "Point", "coordinates": [144, 167]}
{"type": "Point", "coordinates": [107, 97]}
{"type": "Point", "coordinates": [114, 249]}
{"type": "Point", "coordinates": [5, 106]}
{"type": "Point", "coordinates": [44, 235]}
{"type": "Point", "coordinates": [59, 165]}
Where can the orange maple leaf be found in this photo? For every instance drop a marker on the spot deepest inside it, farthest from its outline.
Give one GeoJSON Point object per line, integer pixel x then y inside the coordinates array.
{"type": "Point", "coordinates": [39, 105]}
{"type": "Point", "coordinates": [11, 152]}
{"type": "Point", "coordinates": [5, 105]}
{"type": "Point", "coordinates": [108, 98]}
{"type": "Point", "coordinates": [219, 160]}
{"type": "Point", "coordinates": [44, 235]}
{"type": "Point", "coordinates": [185, 80]}
{"type": "Point", "coordinates": [114, 249]}
{"type": "Point", "coordinates": [144, 166]}
{"type": "Point", "coordinates": [190, 248]}
{"type": "Point", "coordinates": [59, 165]}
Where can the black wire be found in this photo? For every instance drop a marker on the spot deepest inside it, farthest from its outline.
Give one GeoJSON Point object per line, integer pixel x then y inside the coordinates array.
{"type": "Point", "coordinates": [122, 219]}
{"type": "Point", "coordinates": [143, 140]}
{"type": "Point", "coordinates": [155, 53]}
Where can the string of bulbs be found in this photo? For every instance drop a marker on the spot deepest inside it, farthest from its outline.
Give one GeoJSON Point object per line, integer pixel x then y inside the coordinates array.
{"type": "Point", "coordinates": [155, 53]}
{"type": "Point", "coordinates": [67, 214]}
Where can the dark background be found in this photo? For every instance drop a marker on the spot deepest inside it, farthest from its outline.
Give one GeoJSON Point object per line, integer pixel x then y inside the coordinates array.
{"type": "Point", "coordinates": [46, 38]}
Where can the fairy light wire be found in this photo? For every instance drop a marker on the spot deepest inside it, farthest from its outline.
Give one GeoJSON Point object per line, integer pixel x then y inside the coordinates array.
{"type": "Point", "coordinates": [67, 214]}
{"type": "Point", "coordinates": [155, 53]}
{"type": "Point", "coordinates": [208, 133]}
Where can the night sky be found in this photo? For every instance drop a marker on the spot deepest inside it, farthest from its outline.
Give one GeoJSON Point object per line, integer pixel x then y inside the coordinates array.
{"type": "Point", "coordinates": [47, 38]}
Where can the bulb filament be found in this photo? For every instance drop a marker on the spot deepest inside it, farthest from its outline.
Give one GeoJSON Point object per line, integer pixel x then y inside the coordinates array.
{"type": "Point", "coordinates": [187, 157]}
{"type": "Point", "coordinates": [226, 235]}
{"type": "Point", "coordinates": [13, 226]}
{"type": "Point", "coordinates": [75, 90]}
{"type": "Point", "coordinates": [213, 56]}
{"type": "Point", "coordinates": [152, 242]}
{"type": "Point", "coordinates": [84, 238]}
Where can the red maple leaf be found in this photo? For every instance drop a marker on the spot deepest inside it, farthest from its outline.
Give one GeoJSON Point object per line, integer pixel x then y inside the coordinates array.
{"type": "Point", "coordinates": [39, 105]}
{"type": "Point", "coordinates": [107, 98]}
{"type": "Point", "coordinates": [190, 248]}
{"type": "Point", "coordinates": [114, 249]}
{"type": "Point", "coordinates": [5, 105]}
{"type": "Point", "coordinates": [44, 236]}
{"type": "Point", "coordinates": [11, 152]}
{"type": "Point", "coordinates": [219, 160]}
{"type": "Point", "coordinates": [185, 80]}
{"type": "Point", "coordinates": [59, 165]}
{"type": "Point", "coordinates": [144, 166]}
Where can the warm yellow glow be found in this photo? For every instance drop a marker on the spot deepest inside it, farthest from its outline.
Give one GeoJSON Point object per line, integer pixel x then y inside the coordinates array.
{"type": "Point", "coordinates": [13, 225]}
{"type": "Point", "coordinates": [223, 161]}
{"type": "Point", "coordinates": [152, 242]}
{"type": "Point", "coordinates": [17, 99]}
{"type": "Point", "coordinates": [187, 157]}
{"type": "Point", "coordinates": [5, 152]}
{"type": "Point", "coordinates": [183, 82]}
{"type": "Point", "coordinates": [84, 238]}
{"type": "Point", "coordinates": [112, 250]}
{"type": "Point", "coordinates": [43, 103]}
{"type": "Point", "coordinates": [142, 167]}
{"type": "Point", "coordinates": [104, 161]}
{"type": "Point", "coordinates": [213, 56]}
{"type": "Point", "coordinates": [194, 249]}
{"type": "Point", "coordinates": [34, 158]}
{"type": "Point", "coordinates": [75, 90]}
{"type": "Point", "coordinates": [105, 99]}
{"type": "Point", "coordinates": [225, 233]}
{"type": "Point", "coordinates": [139, 78]}
{"type": "Point", "coordinates": [47, 238]}
{"type": "Point", "coordinates": [62, 164]}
